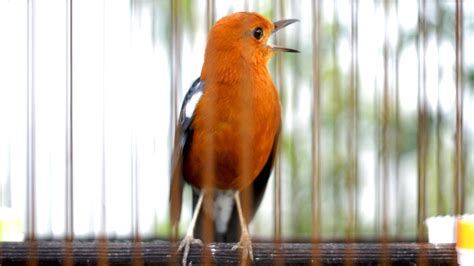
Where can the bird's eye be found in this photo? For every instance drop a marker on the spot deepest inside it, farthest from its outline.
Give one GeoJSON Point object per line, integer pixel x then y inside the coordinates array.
{"type": "Point", "coordinates": [258, 33]}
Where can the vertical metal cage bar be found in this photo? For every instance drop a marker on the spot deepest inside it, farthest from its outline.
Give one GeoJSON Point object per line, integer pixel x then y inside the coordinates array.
{"type": "Point", "coordinates": [175, 81]}
{"type": "Point", "coordinates": [103, 242]}
{"type": "Point", "coordinates": [280, 13]}
{"type": "Point", "coordinates": [210, 158]}
{"type": "Point", "coordinates": [459, 158]}
{"type": "Point", "coordinates": [336, 112]}
{"type": "Point", "coordinates": [377, 144]}
{"type": "Point", "coordinates": [175, 72]}
{"type": "Point", "coordinates": [351, 179]}
{"type": "Point", "coordinates": [398, 134]}
{"type": "Point", "coordinates": [69, 226]}
{"type": "Point", "coordinates": [316, 126]}
{"type": "Point", "coordinates": [247, 5]}
{"type": "Point", "coordinates": [137, 255]}
{"type": "Point", "coordinates": [440, 197]}
{"type": "Point", "coordinates": [31, 124]}
{"type": "Point", "coordinates": [385, 139]}
{"type": "Point", "coordinates": [31, 136]}
{"type": "Point", "coordinates": [295, 172]}
{"type": "Point", "coordinates": [422, 120]}
{"type": "Point", "coordinates": [385, 126]}
{"type": "Point", "coordinates": [69, 123]}
{"type": "Point", "coordinates": [136, 245]}
{"type": "Point", "coordinates": [210, 13]}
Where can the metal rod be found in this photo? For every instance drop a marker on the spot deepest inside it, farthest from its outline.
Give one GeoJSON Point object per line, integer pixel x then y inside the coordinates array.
{"type": "Point", "coordinates": [210, 13]}
{"type": "Point", "coordinates": [103, 242]}
{"type": "Point", "coordinates": [440, 197]}
{"type": "Point", "coordinates": [31, 123]}
{"type": "Point", "coordinates": [422, 121]}
{"type": "Point", "coordinates": [137, 251]}
{"type": "Point", "coordinates": [175, 78]}
{"type": "Point", "coordinates": [399, 191]}
{"type": "Point", "coordinates": [385, 127]}
{"type": "Point", "coordinates": [69, 189]}
{"type": "Point", "coordinates": [209, 157]}
{"type": "Point", "coordinates": [31, 136]}
{"type": "Point", "coordinates": [459, 181]}
{"type": "Point", "coordinates": [247, 5]}
{"type": "Point", "coordinates": [351, 178]}
{"type": "Point", "coordinates": [175, 45]}
{"type": "Point", "coordinates": [316, 6]}
{"type": "Point", "coordinates": [336, 112]}
{"type": "Point", "coordinates": [279, 13]}
{"type": "Point", "coordinates": [385, 138]}
{"type": "Point", "coordinates": [69, 123]}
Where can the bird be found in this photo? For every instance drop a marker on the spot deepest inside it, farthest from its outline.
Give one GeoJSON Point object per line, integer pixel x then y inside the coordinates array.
{"type": "Point", "coordinates": [227, 132]}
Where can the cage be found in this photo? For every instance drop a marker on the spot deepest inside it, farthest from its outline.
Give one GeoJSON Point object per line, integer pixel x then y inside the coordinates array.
{"type": "Point", "coordinates": [375, 137]}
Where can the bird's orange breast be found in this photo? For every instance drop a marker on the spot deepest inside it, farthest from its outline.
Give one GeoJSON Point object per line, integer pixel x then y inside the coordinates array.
{"type": "Point", "coordinates": [235, 127]}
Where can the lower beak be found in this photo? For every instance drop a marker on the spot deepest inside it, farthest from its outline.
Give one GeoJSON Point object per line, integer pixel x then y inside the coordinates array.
{"type": "Point", "coordinates": [278, 26]}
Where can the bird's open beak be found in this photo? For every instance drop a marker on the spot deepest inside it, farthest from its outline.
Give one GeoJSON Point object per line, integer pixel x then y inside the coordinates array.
{"type": "Point", "coordinates": [278, 26]}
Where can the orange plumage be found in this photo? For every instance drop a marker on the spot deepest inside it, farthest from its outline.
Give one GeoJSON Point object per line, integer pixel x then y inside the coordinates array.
{"type": "Point", "coordinates": [243, 101]}
{"type": "Point", "coordinates": [226, 141]}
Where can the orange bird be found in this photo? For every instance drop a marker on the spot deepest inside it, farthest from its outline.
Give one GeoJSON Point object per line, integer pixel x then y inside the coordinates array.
{"type": "Point", "coordinates": [228, 129]}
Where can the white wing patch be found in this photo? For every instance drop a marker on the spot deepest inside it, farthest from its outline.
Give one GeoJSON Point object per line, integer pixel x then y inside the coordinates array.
{"type": "Point", "coordinates": [191, 104]}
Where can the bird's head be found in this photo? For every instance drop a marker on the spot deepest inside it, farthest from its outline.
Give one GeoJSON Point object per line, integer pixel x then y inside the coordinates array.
{"type": "Point", "coordinates": [244, 35]}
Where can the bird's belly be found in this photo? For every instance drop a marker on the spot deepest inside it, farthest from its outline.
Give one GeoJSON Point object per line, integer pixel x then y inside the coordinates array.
{"type": "Point", "coordinates": [232, 154]}
{"type": "Point", "coordinates": [221, 209]}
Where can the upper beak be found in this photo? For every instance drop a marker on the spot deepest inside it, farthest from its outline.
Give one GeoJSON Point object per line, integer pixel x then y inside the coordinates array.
{"type": "Point", "coordinates": [278, 26]}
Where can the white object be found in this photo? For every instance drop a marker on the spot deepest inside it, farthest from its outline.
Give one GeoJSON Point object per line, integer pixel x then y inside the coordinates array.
{"type": "Point", "coordinates": [441, 229]}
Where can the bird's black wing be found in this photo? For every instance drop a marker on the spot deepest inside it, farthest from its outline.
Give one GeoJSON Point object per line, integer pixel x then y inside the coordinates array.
{"type": "Point", "coordinates": [182, 140]}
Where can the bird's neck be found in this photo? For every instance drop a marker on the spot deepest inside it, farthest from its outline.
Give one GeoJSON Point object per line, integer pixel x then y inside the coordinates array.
{"type": "Point", "coordinates": [233, 68]}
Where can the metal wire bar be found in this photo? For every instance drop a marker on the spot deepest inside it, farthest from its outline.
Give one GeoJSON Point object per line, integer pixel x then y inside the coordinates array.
{"type": "Point", "coordinates": [137, 250]}
{"type": "Point", "coordinates": [31, 136]}
{"type": "Point", "coordinates": [351, 174]}
{"type": "Point", "coordinates": [69, 189]}
{"type": "Point", "coordinates": [352, 133]}
{"type": "Point", "coordinates": [385, 127]}
{"type": "Point", "coordinates": [69, 124]}
{"type": "Point", "coordinates": [102, 248]}
{"type": "Point", "coordinates": [422, 120]}
{"type": "Point", "coordinates": [385, 139]}
{"type": "Point", "coordinates": [210, 156]}
{"type": "Point", "coordinates": [316, 124]}
{"type": "Point", "coordinates": [440, 197]}
{"type": "Point", "coordinates": [280, 13]}
{"type": "Point", "coordinates": [175, 46]}
{"type": "Point", "coordinates": [459, 180]}
{"type": "Point", "coordinates": [247, 5]}
{"type": "Point", "coordinates": [422, 133]}
{"type": "Point", "coordinates": [175, 82]}
{"type": "Point", "coordinates": [210, 13]}
{"type": "Point", "coordinates": [295, 173]}
{"type": "Point", "coordinates": [400, 206]}
{"type": "Point", "coordinates": [336, 111]}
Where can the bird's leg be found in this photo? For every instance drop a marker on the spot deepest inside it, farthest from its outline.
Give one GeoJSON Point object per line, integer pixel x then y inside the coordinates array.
{"type": "Point", "coordinates": [245, 243]}
{"type": "Point", "coordinates": [189, 238]}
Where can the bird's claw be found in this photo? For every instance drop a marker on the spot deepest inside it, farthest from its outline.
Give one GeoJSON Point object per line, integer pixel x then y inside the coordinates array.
{"type": "Point", "coordinates": [246, 245]}
{"type": "Point", "coordinates": [186, 244]}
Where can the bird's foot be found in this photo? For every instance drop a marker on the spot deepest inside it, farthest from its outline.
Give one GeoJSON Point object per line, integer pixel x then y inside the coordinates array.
{"type": "Point", "coordinates": [246, 245]}
{"type": "Point", "coordinates": [186, 245]}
